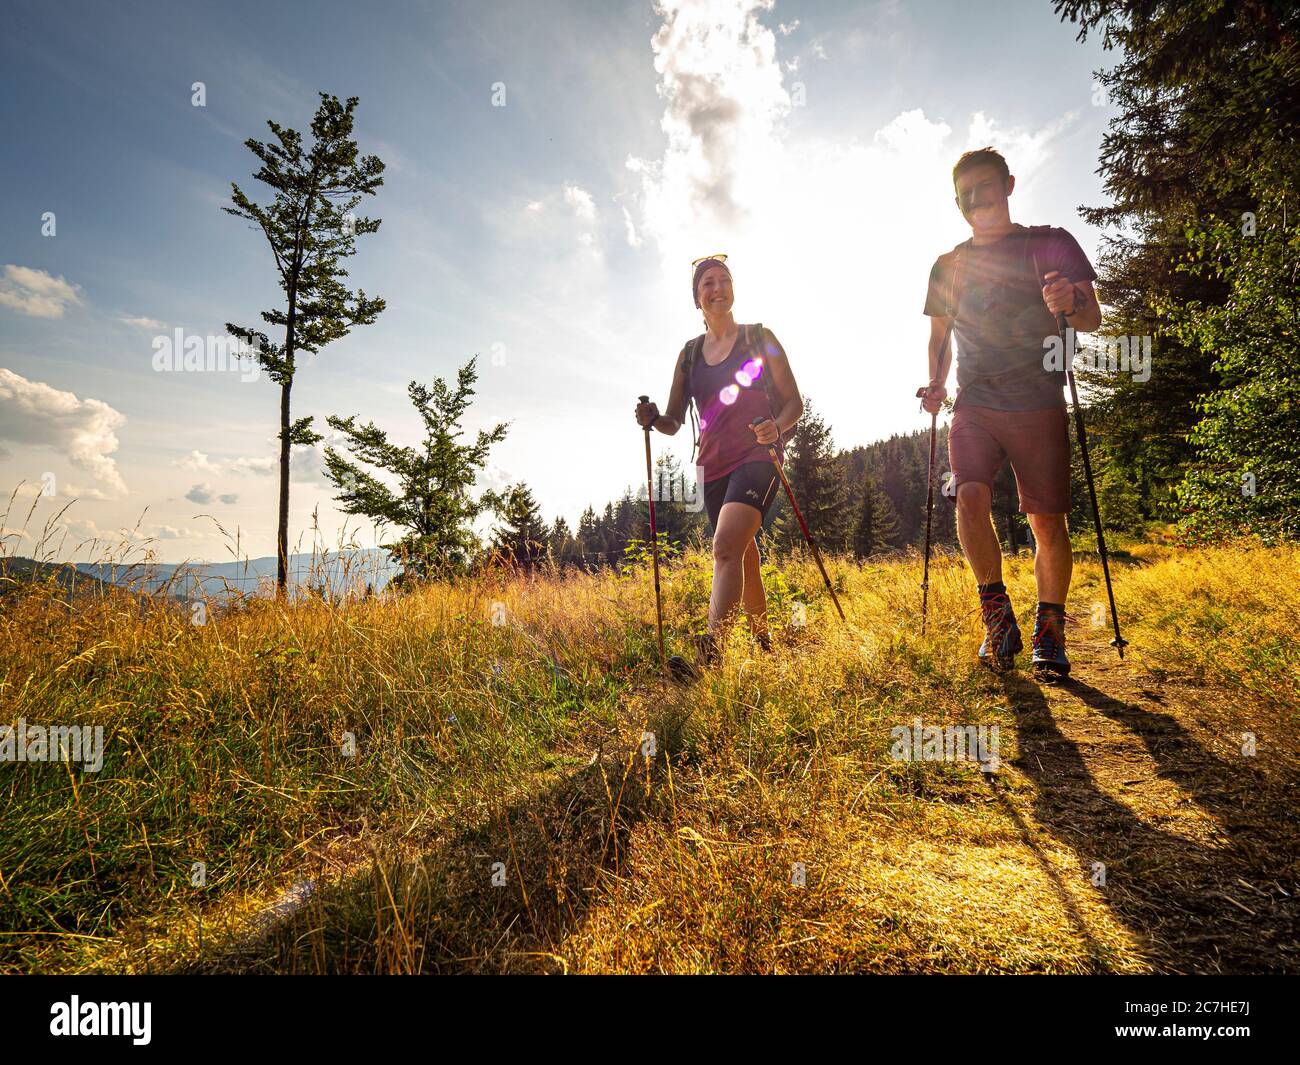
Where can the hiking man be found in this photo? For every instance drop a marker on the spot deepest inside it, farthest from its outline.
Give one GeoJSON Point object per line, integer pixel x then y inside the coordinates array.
{"type": "Point", "coordinates": [731, 375]}
{"type": "Point", "coordinates": [997, 295]}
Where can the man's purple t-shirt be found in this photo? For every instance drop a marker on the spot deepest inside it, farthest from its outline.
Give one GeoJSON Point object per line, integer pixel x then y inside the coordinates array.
{"type": "Point", "coordinates": [994, 294]}
{"type": "Point", "coordinates": [729, 396]}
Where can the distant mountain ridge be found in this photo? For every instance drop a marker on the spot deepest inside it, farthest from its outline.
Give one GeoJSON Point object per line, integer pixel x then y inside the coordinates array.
{"type": "Point", "coordinates": [352, 570]}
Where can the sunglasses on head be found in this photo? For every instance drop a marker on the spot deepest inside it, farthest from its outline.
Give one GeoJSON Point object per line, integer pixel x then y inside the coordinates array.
{"type": "Point", "coordinates": [719, 258]}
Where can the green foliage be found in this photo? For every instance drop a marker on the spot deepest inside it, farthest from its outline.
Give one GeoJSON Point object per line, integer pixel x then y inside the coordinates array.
{"type": "Point", "coordinates": [638, 554]}
{"type": "Point", "coordinates": [435, 506]}
{"type": "Point", "coordinates": [899, 466]}
{"type": "Point", "coordinates": [1245, 473]}
{"type": "Point", "coordinates": [1208, 115]}
{"type": "Point", "coordinates": [819, 485]}
{"type": "Point", "coordinates": [877, 526]}
{"type": "Point", "coordinates": [522, 534]}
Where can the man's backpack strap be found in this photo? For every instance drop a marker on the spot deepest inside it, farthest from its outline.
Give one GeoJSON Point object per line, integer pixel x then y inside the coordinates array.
{"type": "Point", "coordinates": [1033, 237]}
{"type": "Point", "coordinates": [953, 282]}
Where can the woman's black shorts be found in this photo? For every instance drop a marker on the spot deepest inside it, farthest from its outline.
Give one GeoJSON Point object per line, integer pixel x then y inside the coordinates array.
{"type": "Point", "coordinates": [751, 482]}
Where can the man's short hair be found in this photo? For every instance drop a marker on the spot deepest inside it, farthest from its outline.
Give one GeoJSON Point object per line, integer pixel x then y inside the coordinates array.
{"type": "Point", "coordinates": [981, 157]}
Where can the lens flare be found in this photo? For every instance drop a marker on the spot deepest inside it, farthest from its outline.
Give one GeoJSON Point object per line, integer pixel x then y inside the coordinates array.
{"type": "Point", "coordinates": [728, 395]}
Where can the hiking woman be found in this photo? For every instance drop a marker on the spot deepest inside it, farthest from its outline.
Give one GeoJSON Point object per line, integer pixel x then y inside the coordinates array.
{"type": "Point", "coordinates": [732, 375]}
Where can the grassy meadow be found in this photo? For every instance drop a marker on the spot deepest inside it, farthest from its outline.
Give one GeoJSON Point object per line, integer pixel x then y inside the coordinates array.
{"type": "Point", "coordinates": [505, 808]}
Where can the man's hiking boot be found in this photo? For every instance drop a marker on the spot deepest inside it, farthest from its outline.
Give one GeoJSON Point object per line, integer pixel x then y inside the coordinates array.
{"type": "Point", "coordinates": [1002, 639]}
{"type": "Point", "coordinates": [764, 640]}
{"type": "Point", "coordinates": [1049, 641]}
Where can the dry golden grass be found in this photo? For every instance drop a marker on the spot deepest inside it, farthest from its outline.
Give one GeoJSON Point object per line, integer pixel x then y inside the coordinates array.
{"type": "Point", "coordinates": [521, 744]}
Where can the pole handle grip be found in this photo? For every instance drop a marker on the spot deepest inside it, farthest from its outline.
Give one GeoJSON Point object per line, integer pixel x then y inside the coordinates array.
{"type": "Point", "coordinates": [643, 399]}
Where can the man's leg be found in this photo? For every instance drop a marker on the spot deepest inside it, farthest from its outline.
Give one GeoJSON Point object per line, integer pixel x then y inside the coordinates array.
{"type": "Point", "coordinates": [976, 455]}
{"type": "Point", "coordinates": [734, 536]}
{"type": "Point", "coordinates": [1040, 455]}
{"type": "Point", "coordinates": [979, 539]}
{"type": "Point", "coordinates": [1053, 559]}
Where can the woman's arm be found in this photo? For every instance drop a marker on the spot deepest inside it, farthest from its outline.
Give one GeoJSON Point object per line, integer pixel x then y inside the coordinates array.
{"type": "Point", "coordinates": [670, 422]}
{"type": "Point", "coordinates": [785, 390]}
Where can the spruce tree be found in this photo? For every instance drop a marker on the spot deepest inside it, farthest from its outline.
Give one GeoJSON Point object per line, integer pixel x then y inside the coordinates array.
{"type": "Point", "coordinates": [521, 535]}
{"type": "Point", "coordinates": [434, 508]}
{"type": "Point", "coordinates": [818, 483]}
{"type": "Point", "coordinates": [310, 229]}
{"type": "Point", "coordinates": [877, 528]}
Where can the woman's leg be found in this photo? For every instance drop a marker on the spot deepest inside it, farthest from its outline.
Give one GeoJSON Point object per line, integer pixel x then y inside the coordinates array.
{"type": "Point", "coordinates": [733, 538]}
{"type": "Point", "coordinates": [753, 596]}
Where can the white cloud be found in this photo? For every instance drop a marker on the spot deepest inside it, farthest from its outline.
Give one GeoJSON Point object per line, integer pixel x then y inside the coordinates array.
{"type": "Point", "coordinates": [307, 461]}
{"type": "Point", "coordinates": [633, 238]}
{"type": "Point", "coordinates": [200, 493]}
{"type": "Point", "coordinates": [81, 529]}
{"type": "Point", "coordinates": [198, 460]}
{"type": "Point", "coordinates": [561, 238]}
{"type": "Point", "coordinates": [584, 207]}
{"type": "Point", "coordinates": [786, 30]}
{"type": "Point", "coordinates": [74, 533]}
{"type": "Point", "coordinates": [260, 466]}
{"type": "Point", "coordinates": [229, 498]}
{"type": "Point", "coordinates": [1026, 150]}
{"type": "Point", "coordinates": [36, 293]}
{"type": "Point", "coordinates": [79, 491]}
{"type": "Point", "coordinates": [201, 462]}
{"type": "Point", "coordinates": [33, 414]}
{"type": "Point", "coordinates": [144, 323]}
{"type": "Point", "coordinates": [723, 97]}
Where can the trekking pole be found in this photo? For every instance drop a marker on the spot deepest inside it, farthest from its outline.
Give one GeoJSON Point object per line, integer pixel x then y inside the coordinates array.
{"type": "Point", "coordinates": [654, 545]}
{"type": "Point", "coordinates": [1119, 643]}
{"type": "Point", "coordinates": [929, 512]}
{"type": "Point", "coordinates": [808, 538]}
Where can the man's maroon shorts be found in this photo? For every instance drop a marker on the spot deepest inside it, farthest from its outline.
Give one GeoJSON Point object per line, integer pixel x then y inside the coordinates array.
{"type": "Point", "coordinates": [1036, 441]}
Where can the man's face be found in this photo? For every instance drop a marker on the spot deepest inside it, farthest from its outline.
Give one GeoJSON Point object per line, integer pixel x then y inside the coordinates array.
{"type": "Point", "coordinates": [982, 194]}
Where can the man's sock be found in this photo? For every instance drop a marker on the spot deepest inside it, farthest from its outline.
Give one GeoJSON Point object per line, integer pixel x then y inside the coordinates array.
{"type": "Point", "coordinates": [996, 588]}
{"type": "Point", "coordinates": [1051, 608]}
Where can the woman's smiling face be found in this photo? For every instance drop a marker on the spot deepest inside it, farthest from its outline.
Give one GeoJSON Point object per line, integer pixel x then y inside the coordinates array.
{"type": "Point", "coordinates": [714, 292]}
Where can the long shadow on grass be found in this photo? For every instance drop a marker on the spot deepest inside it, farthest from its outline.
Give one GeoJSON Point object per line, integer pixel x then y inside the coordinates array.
{"type": "Point", "coordinates": [1257, 810]}
{"type": "Point", "coordinates": [496, 894]}
{"type": "Point", "coordinates": [1180, 897]}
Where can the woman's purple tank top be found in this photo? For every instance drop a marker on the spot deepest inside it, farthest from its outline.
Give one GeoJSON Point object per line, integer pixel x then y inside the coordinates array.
{"type": "Point", "coordinates": [729, 397]}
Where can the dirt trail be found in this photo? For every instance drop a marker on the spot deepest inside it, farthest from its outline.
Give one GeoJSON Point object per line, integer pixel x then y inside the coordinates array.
{"type": "Point", "coordinates": [1147, 776]}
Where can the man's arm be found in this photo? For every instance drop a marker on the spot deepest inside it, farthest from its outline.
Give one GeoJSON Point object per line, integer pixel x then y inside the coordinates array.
{"type": "Point", "coordinates": [1075, 299]}
{"type": "Point", "coordinates": [940, 358]}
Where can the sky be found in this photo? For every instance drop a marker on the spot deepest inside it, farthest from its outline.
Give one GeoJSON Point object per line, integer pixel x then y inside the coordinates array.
{"type": "Point", "coordinates": [552, 169]}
